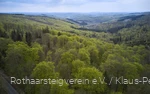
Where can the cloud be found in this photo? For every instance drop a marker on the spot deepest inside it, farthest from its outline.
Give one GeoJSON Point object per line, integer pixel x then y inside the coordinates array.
{"type": "Point", "coordinates": [134, 5]}
{"type": "Point", "coordinates": [57, 2]}
{"type": "Point", "coordinates": [74, 5]}
{"type": "Point", "coordinates": [81, 2]}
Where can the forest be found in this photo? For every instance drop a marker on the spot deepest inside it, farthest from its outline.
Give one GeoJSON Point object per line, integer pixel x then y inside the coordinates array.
{"type": "Point", "coordinates": [43, 47]}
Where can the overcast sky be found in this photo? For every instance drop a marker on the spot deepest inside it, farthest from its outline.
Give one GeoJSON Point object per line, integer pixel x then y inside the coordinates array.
{"type": "Point", "coordinates": [74, 5]}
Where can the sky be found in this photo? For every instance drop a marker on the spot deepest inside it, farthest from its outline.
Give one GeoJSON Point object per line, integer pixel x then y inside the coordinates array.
{"type": "Point", "coordinates": [74, 5]}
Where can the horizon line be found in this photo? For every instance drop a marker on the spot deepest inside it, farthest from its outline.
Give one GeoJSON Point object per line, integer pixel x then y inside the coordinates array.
{"type": "Point", "coordinates": [84, 12]}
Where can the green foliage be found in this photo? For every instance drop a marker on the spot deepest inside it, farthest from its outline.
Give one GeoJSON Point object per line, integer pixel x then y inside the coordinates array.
{"type": "Point", "coordinates": [84, 55]}
{"type": "Point", "coordinates": [4, 46]}
{"type": "Point", "coordinates": [65, 64]}
{"type": "Point", "coordinates": [90, 74]}
{"type": "Point", "coordinates": [28, 38]}
{"type": "Point", "coordinates": [43, 47]}
{"type": "Point", "coordinates": [17, 35]}
{"type": "Point", "coordinates": [44, 70]}
{"type": "Point", "coordinates": [76, 65]}
{"type": "Point", "coordinates": [115, 93]}
{"type": "Point", "coordinates": [56, 89]}
{"type": "Point", "coordinates": [94, 59]}
{"type": "Point", "coordinates": [23, 57]}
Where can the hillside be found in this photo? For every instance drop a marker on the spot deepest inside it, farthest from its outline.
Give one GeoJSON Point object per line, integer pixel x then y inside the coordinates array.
{"type": "Point", "coordinates": [71, 59]}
